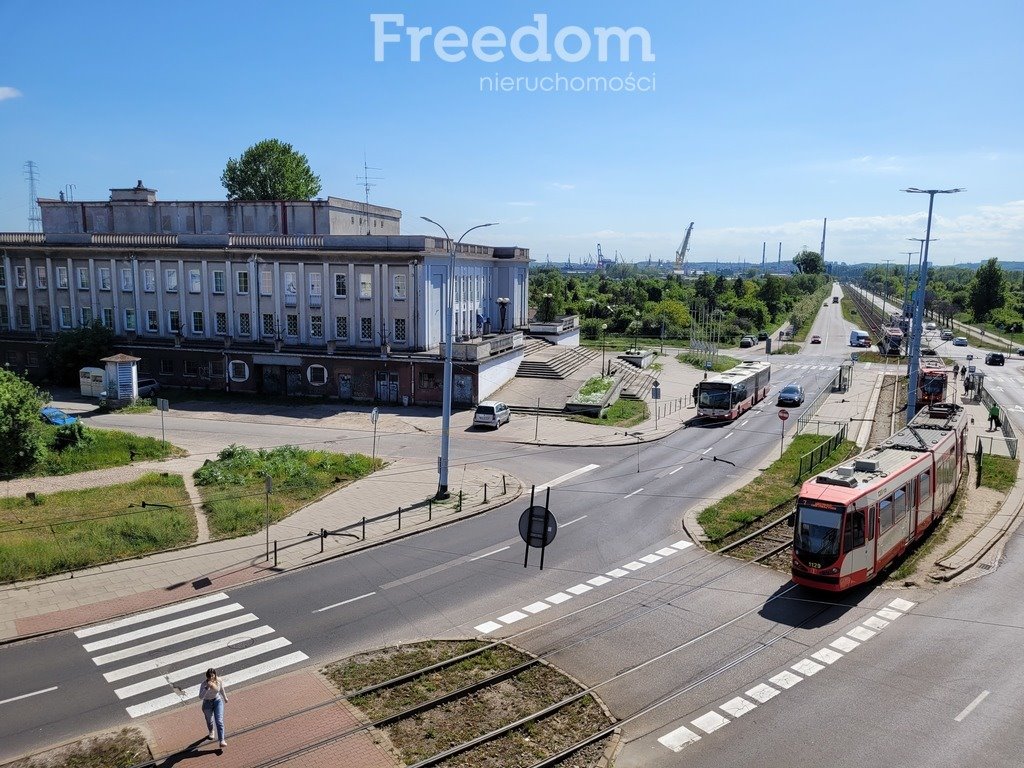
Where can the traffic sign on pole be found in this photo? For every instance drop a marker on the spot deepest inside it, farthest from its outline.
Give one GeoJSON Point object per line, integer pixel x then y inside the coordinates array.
{"type": "Point", "coordinates": [783, 414]}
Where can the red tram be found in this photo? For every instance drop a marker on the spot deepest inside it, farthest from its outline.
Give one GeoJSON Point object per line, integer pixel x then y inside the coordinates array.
{"type": "Point", "coordinates": [933, 380]}
{"type": "Point", "coordinates": [854, 520]}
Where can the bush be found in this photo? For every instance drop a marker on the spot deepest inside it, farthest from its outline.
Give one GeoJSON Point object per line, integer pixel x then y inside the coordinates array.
{"type": "Point", "coordinates": [71, 436]}
{"type": "Point", "coordinates": [21, 428]}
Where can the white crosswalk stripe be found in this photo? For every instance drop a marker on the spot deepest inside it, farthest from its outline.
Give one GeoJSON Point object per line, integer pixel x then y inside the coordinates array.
{"type": "Point", "coordinates": [179, 643]}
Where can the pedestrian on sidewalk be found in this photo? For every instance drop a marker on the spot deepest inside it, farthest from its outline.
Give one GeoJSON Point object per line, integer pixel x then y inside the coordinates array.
{"type": "Point", "coordinates": [994, 421]}
{"type": "Point", "coordinates": [956, 370]}
{"type": "Point", "coordinates": [213, 696]}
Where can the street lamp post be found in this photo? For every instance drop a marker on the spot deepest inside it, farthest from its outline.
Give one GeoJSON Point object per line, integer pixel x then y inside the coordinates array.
{"type": "Point", "coordinates": [915, 352]}
{"type": "Point", "coordinates": [446, 396]}
{"type": "Point", "coordinates": [636, 333]}
{"type": "Point", "coordinates": [548, 315]}
{"type": "Point", "coordinates": [604, 327]}
{"type": "Point", "coordinates": [502, 309]}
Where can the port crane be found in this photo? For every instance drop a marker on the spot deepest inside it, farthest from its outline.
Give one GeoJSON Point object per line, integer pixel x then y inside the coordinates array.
{"type": "Point", "coordinates": [682, 249]}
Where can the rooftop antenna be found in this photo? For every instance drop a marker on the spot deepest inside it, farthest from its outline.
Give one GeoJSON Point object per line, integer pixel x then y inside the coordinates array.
{"type": "Point", "coordinates": [366, 182]}
{"type": "Point", "coordinates": [35, 220]}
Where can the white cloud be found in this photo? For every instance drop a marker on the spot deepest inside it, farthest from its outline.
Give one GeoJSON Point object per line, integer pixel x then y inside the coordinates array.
{"type": "Point", "coordinates": [560, 185]}
{"type": "Point", "coordinates": [7, 92]}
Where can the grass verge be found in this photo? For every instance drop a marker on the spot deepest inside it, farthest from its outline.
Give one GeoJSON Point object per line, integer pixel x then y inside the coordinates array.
{"type": "Point", "coordinates": [786, 349]}
{"type": "Point", "coordinates": [477, 713]}
{"type": "Point", "coordinates": [621, 413]}
{"type": "Point", "coordinates": [769, 489]}
{"type": "Point", "coordinates": [719, 364]}
{"type": "Point", "coordinates": [233, 492]}
{"type": "Point", "coordinates": [101, 449]}
{"type": "Point", "coordinates": [77, 529]}
{"type": "Point", "coordinates": [125, 748]}
{"type": "Point", "coordinates": [999, 472]}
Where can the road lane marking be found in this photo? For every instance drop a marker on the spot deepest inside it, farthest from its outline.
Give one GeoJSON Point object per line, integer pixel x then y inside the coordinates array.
{"type": "Point", "coordinates": [579, 589]}
{"type": "Point", "coordinates": [232, 678]}
{"type": "Point", "coordinates": [570, 522]}
{"type": "Point", "coordinates": [959, 718]}
{"type": "Point", "coordinates": [158, 628]}
{"type": "Point", "coordinates": [566, 477]}
{"type": "Point", "coordinates": [705, 451]}
{"type": "Point", "coordinates": [806, 667]}
{"type": "Point", "coordinates": [512, 618]}
{"type": "Point", "coordinates": [738, 706]}
{"type": "Point", "coordinates": [675, 470]}
{"type": "Point", "coordinates": [683, 544]}
{"type": "Point", "coordinates": [558, 597]}
{"type": "Point", "coordinates": [650, 558]}
{"type": "Point", "coordinates": [742, 423]}
{"type": "Point", "coordinates": [763, 692]}
{"type": "Point", "coordinates": [598, 581]}
{"type": "Point", "coordinates": [665, 551]}
{"type": "Point", "coordinates": [618, 573]}
{"type": "Point", "coordinates": [487, 627]}
{"type": "Point", "coordinates": [28, 695]}
{"type": "Point", "coordinates": [537, 607]}
{"type": "Point", "coordinates": [634, 493]}
{"type": "Point", "coordinates": [679, 738]}
{"type": "Point", "coordinates": [346, 602]}
{"type": "Point", "coordinates": [141, 617]}
{"type": "Point", "coordinates": [710, 722]}
{"type": "Point", "coordinates": [728, 436]}
{"type": "Point", "coordinates": [487, 554]}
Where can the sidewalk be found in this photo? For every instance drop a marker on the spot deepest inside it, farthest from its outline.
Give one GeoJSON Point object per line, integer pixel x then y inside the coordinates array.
{"type": "Point", "coordinates": [107, 591]}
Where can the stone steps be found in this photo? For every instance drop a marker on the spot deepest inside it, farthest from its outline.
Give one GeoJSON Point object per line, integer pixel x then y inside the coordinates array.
{"type": "Point", "coordinates": [561, 366]}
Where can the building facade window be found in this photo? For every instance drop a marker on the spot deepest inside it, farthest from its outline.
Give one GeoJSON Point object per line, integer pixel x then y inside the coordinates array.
{"type": "Point", "coordinates": [291, 290]}
{"type": "Point", "coordinates": [218, 281]}
{"type": "Point", "coordinates": [127, 279]}
{"type": "Point", "coordinates": [244, 324]}
{"type": "Point", "coordinates": [166, 367]}
{"type": "Point", "coordinates": [193, 368]}
{"type": "Point", "coordinates": [43, 318]}
{"type": "Point", "coordinates": [341, 328]}
{"type": "Point", "coordinates": [108, 317]}
{"type": "Point", "coordinates": [266, 282]}
{"type": "Point", "coordinates": [83, 279]}
{"type": "Point", "coordinates": [340, 285]}
{"type": "Point", "coordinates": [104, 278]}
{"type": "Point", "coordinates": [366, 329]}
{"type": "Point", "coordinates": [317, 375]}
{"type": "Point", "coordinates": [291, 325]}
{"type": "Point", "coordinates": [195, 281]}
{"type": "Point", "coordinates": [316, 326]}
{"type": "Point", "coordinates": [62, 277]}
{"type": "Point", "coordinates": [149, 280]}
{"type": "Point", "coordinates": [398, 287]}
{"type": "Point", "coordinates": [216, 369]}
{"type": "Point", "coordinates": [152, 321]}
{"type": "Point", "coordinates": [65, 317]}
{"type": "Point", "coordinates": [400, 329]}
{"type": "Point", "coordinates": [129, 320]}
{"type": "Point", "coordinates": [173, 321]}
{"type": "Point", "coordinates": [268, 324]}
{"type": "Point", "coordinates": [24, 318]}
{"type": "Point", "coordinates": [20, 277]}
{"type": "Point", "coordinates": [365, 285]}
{"type": "Point", "coordinates": [5, 317]}
{"type": "Point", "coordinates": [32, 359]}
{"type": "Point", "coordinates": [316, 289]}
{"type": "Point", "coordinates": [239, 370]}
{"type": "Point", "coordinates": [171, 280]}
{"type": "Point", "coordinates": [197, 322]}
{"type": "Point", "coordinates": [85, 316]}
{"type": "Point", "coordinates": [220, 323]}
{"type": "Point", "coordinates": [3, 276]}
{"type": "Point", "coordinates": [242, 283]}
{"type": "Point", "coordinates": [41, 280]}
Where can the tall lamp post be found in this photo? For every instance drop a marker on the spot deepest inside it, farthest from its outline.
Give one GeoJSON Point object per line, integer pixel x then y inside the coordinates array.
{"type": "Point", "coordinates": [604, 327]}
{"type": "Point", "coordinates": [446, 396]}
{"type": "Point", "coordinates": [502, 310]}
{"type": "Point", "coordinates": [915, 339]}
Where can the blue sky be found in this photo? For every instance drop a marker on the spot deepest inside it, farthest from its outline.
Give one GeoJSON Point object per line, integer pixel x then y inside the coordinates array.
{"type": "Point", "coordinates": [764, 118]}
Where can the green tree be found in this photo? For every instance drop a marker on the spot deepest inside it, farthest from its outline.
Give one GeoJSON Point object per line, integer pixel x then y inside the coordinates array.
{"type": "Point", "coordinates": [987, 289]}
{"type": "Point", "coordinates": [809, 262]}
{"type": "Point", "coordinates": [75, 349]}
{"type": "Point", "coordinates": [270, 170]}
{"type": "Point", "coordinates": [21, 430]}
{"type": "Point", "coordinates": [771, 294]}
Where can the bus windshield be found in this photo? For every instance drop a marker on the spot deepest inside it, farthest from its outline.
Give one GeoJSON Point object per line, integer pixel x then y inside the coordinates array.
{"type": "Point", "coordinates": [817, 531]}
{"type": "Point", "coordinates": [714, 396]}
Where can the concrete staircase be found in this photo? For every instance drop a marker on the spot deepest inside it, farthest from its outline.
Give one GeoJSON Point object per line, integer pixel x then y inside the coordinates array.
{"type": "Point", "coordinates": [559, 363]}
{"type": "Point", "coordinates": [636, 382]}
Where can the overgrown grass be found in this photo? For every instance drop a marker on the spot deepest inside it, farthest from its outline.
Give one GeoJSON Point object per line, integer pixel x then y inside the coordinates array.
{"type": "Point", "coordinates": [102, 448]}
{"type": "Point", "coordinates": [594, 389]}
{"type": "Point", "coordinates": [786, 349]}
{"type": "Point", "coordinates": [621, 413]}
{"type": "Point", "coordinates": [233, 492]}
{"type": "Point", "coordinates": [76, 529]}
{"type": "Point", "coordinates": [142, 405]}
{"type": "Point", "coordinates": [376, 667]}
{"type": "Point", "coordinates": [999, 472]}
{"type": "Point", "coordinates": [125, 748]}
{"type": "Point", "coordinates": [719, 364]}
{"type": "Point", "coordinates": [769, 489]}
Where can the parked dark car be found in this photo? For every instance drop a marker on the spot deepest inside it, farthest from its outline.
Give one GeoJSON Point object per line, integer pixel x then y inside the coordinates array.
{"type": "Point", "coordinates": [748, 341]}
{"type": "Point", "coordinates": [791, 394]}
{"type": "Point", "coordinates": [57, 417]}
{"type": "Point", "coordinates": [762, 336]}
{"type": "Point", "coordinates": [148, 387]}
{"type": "Point", "coordinates": [995, 358]}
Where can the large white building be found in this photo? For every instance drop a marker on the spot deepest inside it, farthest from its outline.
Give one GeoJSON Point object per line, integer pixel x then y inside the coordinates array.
{"type": "Point", "coordinates": [318, 297]}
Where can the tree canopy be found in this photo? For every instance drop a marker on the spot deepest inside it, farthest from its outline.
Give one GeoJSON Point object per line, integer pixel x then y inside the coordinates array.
{"type": "Point", "coordinates": [270, 170]}
{"type": "Point", "coordinates": [72, 350]}
{"type": "Point", "coordinates": [987, 291]}
{"type": "Point", "coordinates": [809, 263]}
{"type": "Point", "coordinates": [21, 431]}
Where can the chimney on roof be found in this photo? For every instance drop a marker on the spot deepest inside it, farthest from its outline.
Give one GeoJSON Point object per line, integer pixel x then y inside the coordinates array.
{"type": "Point", "coordinates": [138, 193]}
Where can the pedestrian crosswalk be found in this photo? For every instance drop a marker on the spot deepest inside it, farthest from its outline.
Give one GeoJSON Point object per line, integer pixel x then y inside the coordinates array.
{"type": "Point", "coordinates": [178, 644]}
{"type": "Point", "coordinates": [799, 367]}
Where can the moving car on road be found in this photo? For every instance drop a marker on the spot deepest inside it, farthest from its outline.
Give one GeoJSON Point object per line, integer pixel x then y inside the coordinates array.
{"type": "Point", "coordinates": [995, 358]}
{"type": "Point", "coordinates": [491, 413]}
{"type": "Point", "coordinates": [815, 339]}
{"type": "Point", "coordinates": [57, 417]}
{"type": "Point", "coordinates": [946, 334]}
{"type": "Point", "coordinates": [960, 341]}
{"type": "Point", "coordinates": [791, 394]}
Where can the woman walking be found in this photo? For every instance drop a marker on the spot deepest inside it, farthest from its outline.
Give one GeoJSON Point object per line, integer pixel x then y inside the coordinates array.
{"type": "Point", "coordinates": [213, 696]}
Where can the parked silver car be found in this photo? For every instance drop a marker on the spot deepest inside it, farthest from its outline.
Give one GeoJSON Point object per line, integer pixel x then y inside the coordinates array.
{"type": "Point", "coordinates": [491, 413]}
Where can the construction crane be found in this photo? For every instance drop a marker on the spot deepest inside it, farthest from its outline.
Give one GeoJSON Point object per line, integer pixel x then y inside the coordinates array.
{"type": "Point", "coordinates": [682, 249]}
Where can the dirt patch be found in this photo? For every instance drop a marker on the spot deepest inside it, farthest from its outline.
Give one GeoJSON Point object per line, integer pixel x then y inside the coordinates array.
{"type": "Point", "coordinates": [375, 667]}
{"type": "Point", "coordinates": [112, 750]}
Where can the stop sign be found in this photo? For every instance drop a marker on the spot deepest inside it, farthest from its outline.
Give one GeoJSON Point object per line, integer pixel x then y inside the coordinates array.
{"type": "Point", "coordinates": [783, 414]}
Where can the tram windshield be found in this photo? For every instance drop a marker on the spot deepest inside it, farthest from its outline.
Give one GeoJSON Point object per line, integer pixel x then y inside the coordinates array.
{"type": "Point", "coordinates": [715, 396]}
{"type": "Point", "coordinates": [817, 530]}
{"type": "Point", "coordinates": [934, 384]}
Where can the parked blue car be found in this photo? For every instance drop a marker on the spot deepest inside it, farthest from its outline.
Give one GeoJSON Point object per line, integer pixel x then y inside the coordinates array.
{"type": "Point", "coordinates": [57, 417]}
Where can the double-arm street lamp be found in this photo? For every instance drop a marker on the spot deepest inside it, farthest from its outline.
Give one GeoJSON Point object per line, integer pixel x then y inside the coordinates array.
{"type": "Point", "coordinates": [915, 338]}
{"type": "Point", "coordinates": [446, 404]}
